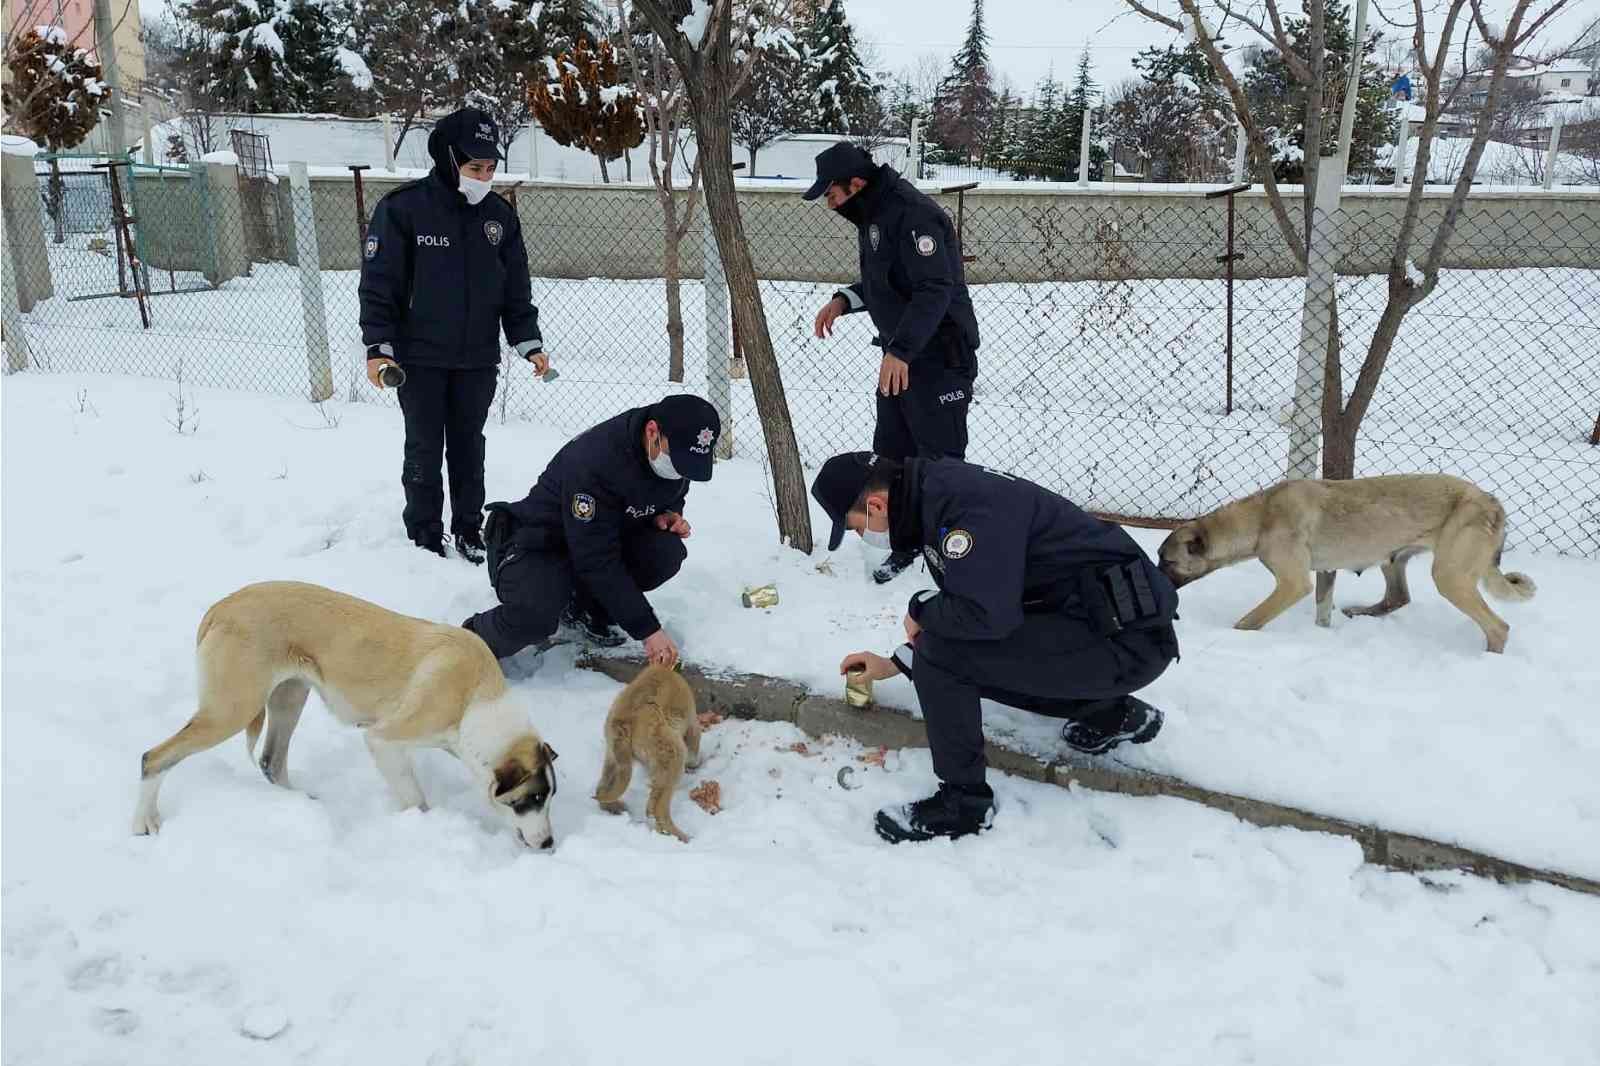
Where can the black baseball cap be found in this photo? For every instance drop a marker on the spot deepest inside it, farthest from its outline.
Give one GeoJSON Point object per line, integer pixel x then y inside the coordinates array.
{"type": "Point", "coordinates": [838, 486]}
{"type": "Point", "coordinates": [691, 426]}
{"type": "Point", "coordinates": [472, 133]}
{"type": "Point", "coordinates": [841, 162]}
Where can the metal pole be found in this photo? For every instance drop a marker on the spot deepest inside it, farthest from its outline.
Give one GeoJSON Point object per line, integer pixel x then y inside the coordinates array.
{"type": "Point", "coordinates": [1083, 151]}
{"type": "Point", "coordinates": [1400, 150]}
{"type": "Point", "coordinates": [718, 342]}
{"type": "Point", "coordinates": [125, 242]}
{"type": "Point", "coordinates": [313, 314]}
{"type": "Point", "coordinates": [913, 155]}
{"type": "Point", "coordinates": [361, 206]}
{"type": "Point", "coordinates": [106, 52]}
{"type": "Point", "coordinates": [1228, 258]}
{"type": "Point", "coordinates": [533, 150]}
{"type": "Point", "coordinates": [1555, 147]}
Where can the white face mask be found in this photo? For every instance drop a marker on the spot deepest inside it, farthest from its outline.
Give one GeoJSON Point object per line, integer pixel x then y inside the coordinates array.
{"type": "Point", "coordinates": [473, 189]}
{"type": "Point", "coordinates": [876, 538]}
{"type": "Point", "coordinates": [662, 465]}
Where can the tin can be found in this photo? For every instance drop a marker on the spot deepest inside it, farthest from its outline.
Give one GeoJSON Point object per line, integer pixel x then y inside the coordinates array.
{"type": "Point", "coordinates": [858, 688]}
{"type": "Point", "coordinates": [392, 375]}
{"type": "Point", "coordinates": [762, 596]}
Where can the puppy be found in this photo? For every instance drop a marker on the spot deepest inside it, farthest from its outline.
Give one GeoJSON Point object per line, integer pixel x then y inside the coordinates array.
{"type": "Point", "coordinates": [403, 681]}
{"type": "Point", "coordinates": [652, 720]}
{"type": "Point", "coordinates": [1296, 527]}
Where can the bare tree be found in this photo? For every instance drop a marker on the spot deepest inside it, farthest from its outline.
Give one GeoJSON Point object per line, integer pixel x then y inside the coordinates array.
{"type": "Point", "coordinates": [698, 37]}
{"type": "Point", "coordinates": [660, 87]}
{"type": "Point", "coordinates": [1409, 285]}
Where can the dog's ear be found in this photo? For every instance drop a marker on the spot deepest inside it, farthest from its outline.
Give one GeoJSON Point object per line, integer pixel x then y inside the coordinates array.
{"type": "Point", "coordinates": [548, 752]}
{"type": "Point", "coordinates": [507, 777]}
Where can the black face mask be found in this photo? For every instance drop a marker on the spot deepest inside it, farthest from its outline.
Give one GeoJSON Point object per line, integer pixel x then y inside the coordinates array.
{"type": "Point", "coordinates": [855, 208]}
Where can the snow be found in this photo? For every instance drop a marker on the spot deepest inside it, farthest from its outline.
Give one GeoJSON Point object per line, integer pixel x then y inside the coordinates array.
{"type": "Point", "coordinates": [224, 156]}
{"type": "Point", "coordinates": [52, 34]}
{"type": "Point", "coordinates": [693, 25]}
{"type": "Point", "coordinates": [16, 144]}
{"type": "Point", "coordinates": [785, 931]}
{"type": "Point", "coordinates": [355, 68]}
{"type": "Point", "coordinates": [1415, 276]}
{"type": "Point", "coordinates": [1502, 163]}
{"type": "Point", "coordinates": [264, 35]}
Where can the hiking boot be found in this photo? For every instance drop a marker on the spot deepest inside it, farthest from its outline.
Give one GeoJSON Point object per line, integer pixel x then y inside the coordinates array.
{"type": "Point", "coordinates": [470, 547]}
{"type": "Point", "coordinates": [431, 542]}
{"type": "Point", "coordinates": [892, 567]}
{"type": "Point", "coordinates": [953, 811]}
{"type": "Point", "coordinates": [1138, 723]}
{"type": "Point", "coordinates": [594, 630]}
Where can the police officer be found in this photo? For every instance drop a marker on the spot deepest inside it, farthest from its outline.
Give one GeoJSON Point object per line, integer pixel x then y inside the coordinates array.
{"type": "Point", "coordinates": [603, 526]}
{"type": "Point", "coordinates": [1038, 606]}
{"type": "Point", "coordinates": [913, 287]}
{"type": "Point", "coordinates": [443, 270]}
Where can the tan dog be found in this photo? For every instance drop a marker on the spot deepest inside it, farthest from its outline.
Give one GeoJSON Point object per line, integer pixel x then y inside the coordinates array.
{"type": "Point", "coordinates": [405, 682]}
{"type": "Point", "coordinates": [652, 720]}
{"type": "Point", "coordinates": [1296, 527]}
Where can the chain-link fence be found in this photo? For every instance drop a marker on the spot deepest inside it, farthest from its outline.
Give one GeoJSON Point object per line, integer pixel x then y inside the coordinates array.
{"type": "Point", "coordinates": [1118, 364]}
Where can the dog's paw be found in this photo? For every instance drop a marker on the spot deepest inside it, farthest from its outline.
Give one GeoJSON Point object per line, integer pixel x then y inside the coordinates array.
{"type": "Point", "coordinates": [614, 808]}
{"type": "Point", "coordinates": [146, 823]}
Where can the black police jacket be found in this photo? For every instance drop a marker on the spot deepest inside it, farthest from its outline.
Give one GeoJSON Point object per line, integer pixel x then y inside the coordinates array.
{"type": "Point", "coordinates": [598, 488]}
{"type": "Point", "coordinates": [998, 546]}
{"type": "Point", "coordinates": [440, 276]}
{"type": "Point", "coordinates": [911, 276]}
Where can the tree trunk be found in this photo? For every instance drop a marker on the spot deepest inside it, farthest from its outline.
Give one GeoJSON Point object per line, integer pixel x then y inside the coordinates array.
{"type": "Point", "coordinates": [605, 178]}
{"type": "Point", "coordinates": [752, 162]}
{"type": "Point", "coordinates": [627, 165]}
{"type": "Point", "coordinates": [674, 272]}
{"type": "Point", "coordinates": [58, 200]}
{"type": "Point", "coordinates": [709, 102]}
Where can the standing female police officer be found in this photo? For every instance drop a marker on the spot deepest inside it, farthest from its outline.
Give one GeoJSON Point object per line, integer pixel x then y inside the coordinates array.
{"type": "Point", "coordinates": [443, 270]}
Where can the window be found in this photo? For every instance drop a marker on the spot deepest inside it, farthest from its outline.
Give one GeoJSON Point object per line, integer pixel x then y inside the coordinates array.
{"type": "Point", "coordinates": [1566, 83]}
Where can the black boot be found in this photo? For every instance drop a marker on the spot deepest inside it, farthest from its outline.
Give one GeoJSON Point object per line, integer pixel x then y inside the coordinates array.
{"type": "Point", "coordinates": [1128, 720]}
{"type": "Point", "coordinates": [953, 811]}
{"type": "Point", "coordinates": [470, 547]}
{"type": "Point", "coordinates": [590, 627]}
{"type": "Point", "coordinates": [431, 542]}
{"type": "Point", "coordinates": [897, 564]}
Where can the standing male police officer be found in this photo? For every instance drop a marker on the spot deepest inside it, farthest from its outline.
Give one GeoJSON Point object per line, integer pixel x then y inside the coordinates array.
{"type": "Point", "coordinates": [1039, 606]}
{"type": "Point", "coordinates": [443, 270]}
{"type": "Point", "coordinates": [603, 526]}
{"type": "Point", "coordinates": [913, 287]}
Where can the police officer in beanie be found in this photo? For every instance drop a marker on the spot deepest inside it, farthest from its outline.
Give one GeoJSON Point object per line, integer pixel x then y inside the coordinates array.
{"type": "Point", "coordinates": [913, 288]}
{"type": "Point", "coordinates": [1038, 606]}
{"type": "Point", "coordinates": [603, 526]}
{"type": "Point", "coordinates": [443, 271]}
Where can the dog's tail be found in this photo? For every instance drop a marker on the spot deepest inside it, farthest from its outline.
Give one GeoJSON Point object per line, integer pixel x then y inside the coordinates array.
{"type": "Point", "coordinates": [1512, 586]}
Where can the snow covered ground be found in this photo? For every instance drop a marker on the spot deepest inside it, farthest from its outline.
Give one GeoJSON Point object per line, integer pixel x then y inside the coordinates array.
{"type": "Point", "coordinates": [1124, 930]}
{"type": "Point", "coordinates": [1112, 392]}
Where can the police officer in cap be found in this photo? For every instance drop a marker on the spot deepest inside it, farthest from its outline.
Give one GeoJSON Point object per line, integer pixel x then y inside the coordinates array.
{"type": "Point", "coordinates": [443, 271]}
{"type": "Point", "coordinates": [1038, 606]}
{"type": "Point", "coordinates": [603, 526]}
{"type": "Point", "coordinates": [913, 287]}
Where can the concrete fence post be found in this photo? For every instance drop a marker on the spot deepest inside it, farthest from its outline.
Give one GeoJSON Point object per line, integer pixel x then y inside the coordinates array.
{"type": "Point", "coordinates": [1083, 150]}
{"type": "Point", "coordinates": [1554, 154]}
{"type": "Point", "coordinates": [25, 239]}
{"type": "Point", "coordinates": [719, 347]}
{"type": "Point", "coordinates": [18, 355]}
{"type": "Point", "coordinates": [1399, 158]}
{"type": "Point", "coordinates": [1240, 141]}
{"type": "Point", "coordinates": [1316, 319]}
{"type": "Point", "coordinates": [312, 309]}
{"type": "Point", "coordinates": [388, 141]}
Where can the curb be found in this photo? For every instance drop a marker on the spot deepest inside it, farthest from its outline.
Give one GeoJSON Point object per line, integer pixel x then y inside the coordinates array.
{"type": "Point", "coordinates": [768, 699]}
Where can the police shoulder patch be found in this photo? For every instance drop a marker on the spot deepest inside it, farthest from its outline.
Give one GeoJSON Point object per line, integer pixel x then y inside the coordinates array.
{"type": "Point", "coordinates": [957, 544]}
{"type": "Point", "coordinates": [926, 245]}
{"type": "Point", "coordinates": [372, 247]}
{"type": "Point", "coordinates": [874, 235]}
{"type": "Point", "coordinates": [494, 231]}
{"type": "Point", "coordinates": [582, 506]}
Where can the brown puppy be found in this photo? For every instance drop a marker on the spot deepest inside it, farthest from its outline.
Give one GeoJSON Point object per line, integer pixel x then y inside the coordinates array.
{"type": "Point", "coordinates": [1296, 527]}
{"type": "Point", "coordinates": [652, 720]}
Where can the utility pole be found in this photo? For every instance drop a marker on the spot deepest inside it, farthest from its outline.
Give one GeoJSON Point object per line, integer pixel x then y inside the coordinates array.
{"type": "Point", "coordinates": [106, 46]}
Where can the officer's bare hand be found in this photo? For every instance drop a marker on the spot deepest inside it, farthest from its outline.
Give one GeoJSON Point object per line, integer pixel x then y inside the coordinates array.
{"type": "Point", "coordinates": [540, 362]}
{"type": "Point", "coordinates": [672, 522]}
{"type": "Point", "coordinates": [877, 667]}
{"type": "Point", "coordinates": [823, 326]}
{"type": "Point", "coordinates": [912, 629]}
{"type": "Point", "coordinates": [375, 367]}
{"type": "Point", "coordinates": [660, 649]}
{"type": "Point", "coordinates": [894, 375]}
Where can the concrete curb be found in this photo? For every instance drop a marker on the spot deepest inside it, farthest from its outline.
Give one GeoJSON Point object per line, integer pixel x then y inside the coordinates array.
{"type": "Point", "coordinates": [771, 700]}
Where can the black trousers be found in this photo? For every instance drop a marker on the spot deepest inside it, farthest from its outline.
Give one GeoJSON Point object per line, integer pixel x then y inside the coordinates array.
{"type": "Point", "coordinates": [444, 413]}
{"type": "Point", "coordinates": [929, 420]}
{"type": "Point", "coordinates": [534, 587]}
{"type": "Point", "coordinates": [1054, 665]}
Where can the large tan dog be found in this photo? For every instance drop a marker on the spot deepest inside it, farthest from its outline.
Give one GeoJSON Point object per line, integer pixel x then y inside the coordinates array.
{"type": "Point", "coordinates": [652, 720]}
{"type": "Point", "coordinates": [405, 682]}
{"type": "Point", "coordinates": [1296, 527]}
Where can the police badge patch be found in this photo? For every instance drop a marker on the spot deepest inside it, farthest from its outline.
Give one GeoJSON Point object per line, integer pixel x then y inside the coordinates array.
{"type": "Point", "coordinates": [372, 248]}
{"type": "Point", "coordinates": [925, 245]}
{"type": "Point", "coordinates": [873, 235]}
{"type": "Point", "coordinates": [494, 231]}
{"type": "Point", "coordinates": [582, 506]}
{"type": "Point", "coordinates": [956, 544]}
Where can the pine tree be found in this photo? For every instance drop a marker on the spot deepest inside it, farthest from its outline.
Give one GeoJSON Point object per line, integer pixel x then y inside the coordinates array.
{"type": "Point", "coordinates": [1039, 154]}
{"type": "Point", "coordinates": [414, 52]}
{"type": "Point", "coordinates": [770, 106]}
{"type": "Point", "coordinates": [565, 23]}
{"type": "Point", "coordinates": [1069, 130]}
{"type": "Point", "coordinates": [280, 56]}
{"type": "Point", "coordinates": [589, 103]}
{"type": "Point", "coordinates": [966, 99]}
{"type": "Point", "coordinates": [500, 75]}
{"type": "Point", "coordinates": [841, 87]}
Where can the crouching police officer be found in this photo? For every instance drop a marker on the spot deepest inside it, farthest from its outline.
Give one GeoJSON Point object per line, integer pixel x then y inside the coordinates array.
{"type": "Point", "coordinates": [1038, 606]}
{"type": "Point", "coordinates": [443, 270]}
{"type": "Point", "coordinates": [603, 526]}
{"type": "Point", "coordinates": [913, 288]}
